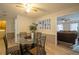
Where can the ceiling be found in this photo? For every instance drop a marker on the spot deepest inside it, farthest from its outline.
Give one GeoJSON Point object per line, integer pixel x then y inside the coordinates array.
{"type": "Point", "coordinates": [10, 9]}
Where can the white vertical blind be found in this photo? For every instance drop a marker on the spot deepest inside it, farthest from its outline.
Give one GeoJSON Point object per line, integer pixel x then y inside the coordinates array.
{"type": "Point", "coordinates": [73, 26]}
{"type": "Point", "coordinates": [59, 27]}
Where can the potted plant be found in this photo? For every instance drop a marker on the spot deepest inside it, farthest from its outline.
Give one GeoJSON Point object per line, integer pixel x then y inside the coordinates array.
{"type": "Point", "coordinates": [33, 28]}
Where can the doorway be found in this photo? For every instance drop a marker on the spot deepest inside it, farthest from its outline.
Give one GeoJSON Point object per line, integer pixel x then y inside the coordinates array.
{"type": "Point", "coordinates": [2, 33]}
{"type": "Point", "coordinates": [67, 30]}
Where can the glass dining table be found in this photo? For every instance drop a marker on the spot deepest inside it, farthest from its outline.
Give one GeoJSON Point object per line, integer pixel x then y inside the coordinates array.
{"type": "Point", "coordinates": [22, 42]}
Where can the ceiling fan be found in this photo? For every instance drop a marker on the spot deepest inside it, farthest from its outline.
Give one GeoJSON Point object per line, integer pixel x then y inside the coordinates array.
{"type": "Point", "coordinates": [66, 19]}
{"type": "Point", "coordinates": [30, 8]}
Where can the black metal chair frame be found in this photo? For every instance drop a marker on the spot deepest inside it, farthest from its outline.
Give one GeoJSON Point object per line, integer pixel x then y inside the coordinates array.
{"type": "Point", "coordinates": [39, 42]}
{"type": "Point", "coordinates": [6, 45]}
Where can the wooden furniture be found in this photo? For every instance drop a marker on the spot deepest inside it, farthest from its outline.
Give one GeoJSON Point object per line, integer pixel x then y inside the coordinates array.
{"type": "Point", "coordinates": [67, 36]}
{"type": "Point", "coordinates": [13, 49]}
{"type": "Point", "coordinates": [39, 48]}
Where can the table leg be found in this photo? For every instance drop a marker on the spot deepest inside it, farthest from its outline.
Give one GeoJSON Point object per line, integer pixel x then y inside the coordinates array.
{"type": "Point", "coordinates": [21, 50]}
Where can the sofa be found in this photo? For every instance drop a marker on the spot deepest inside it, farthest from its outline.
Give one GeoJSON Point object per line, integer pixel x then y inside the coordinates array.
{"type": "Point", "coordinates": [67, 36]}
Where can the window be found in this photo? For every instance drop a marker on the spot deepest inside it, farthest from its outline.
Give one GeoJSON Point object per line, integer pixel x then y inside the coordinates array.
{"type": "Point", "coordinates": [59, 27]}
{"type": "Point", "coordinates": [73, 26]}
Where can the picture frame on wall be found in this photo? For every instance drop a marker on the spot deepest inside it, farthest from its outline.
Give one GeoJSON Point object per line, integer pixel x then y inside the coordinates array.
{"type": "Point", "coordinates": [44, 24]}
{"type": "Point", "coordinates": [47, 24]}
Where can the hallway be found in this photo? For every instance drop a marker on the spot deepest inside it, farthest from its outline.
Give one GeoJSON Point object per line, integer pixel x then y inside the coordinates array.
{"type": "Point", "coordinates": [2, 49]}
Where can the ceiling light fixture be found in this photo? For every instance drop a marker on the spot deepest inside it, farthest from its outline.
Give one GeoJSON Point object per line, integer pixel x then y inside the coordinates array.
{"type": "Point", "coordinates": [28, 7]}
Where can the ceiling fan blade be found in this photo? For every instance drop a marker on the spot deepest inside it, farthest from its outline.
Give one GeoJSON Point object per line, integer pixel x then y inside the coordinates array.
{"type": "Point", "coordinates": [19, 6]}
{"type": "Point", "coordinates": [41, 9]}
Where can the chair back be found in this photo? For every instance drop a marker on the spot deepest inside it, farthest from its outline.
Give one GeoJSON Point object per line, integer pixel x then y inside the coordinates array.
{"type": "Point", "coordinates": [10, 45]}
{"type": "Point", "coordinates": [23, 34]}
{"type": "Point", "coordinates": [41, 44]}
{"type": "Point", "coordinates": [40, 39]}
{"type": "Point", "coordinates": [43, 40]}
{"type": "Point", "coordinates": [10, 35]}
{"type": "Point", "coordinates": [6, 44]}
{"type": "Point", "coordinates": [37, 36]}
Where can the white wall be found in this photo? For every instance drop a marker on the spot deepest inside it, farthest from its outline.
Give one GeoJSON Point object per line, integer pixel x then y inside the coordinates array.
{"type": "Point", "coordinates": [23, 23]}
{"type": "Point", "coordinates": [9, 25]}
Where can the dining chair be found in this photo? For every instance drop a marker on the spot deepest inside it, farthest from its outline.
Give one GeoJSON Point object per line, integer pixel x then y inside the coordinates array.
{"type": "Point", "coordinates": [10, 47]}
{"type": "Point", "coordinates": [39, 48]}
